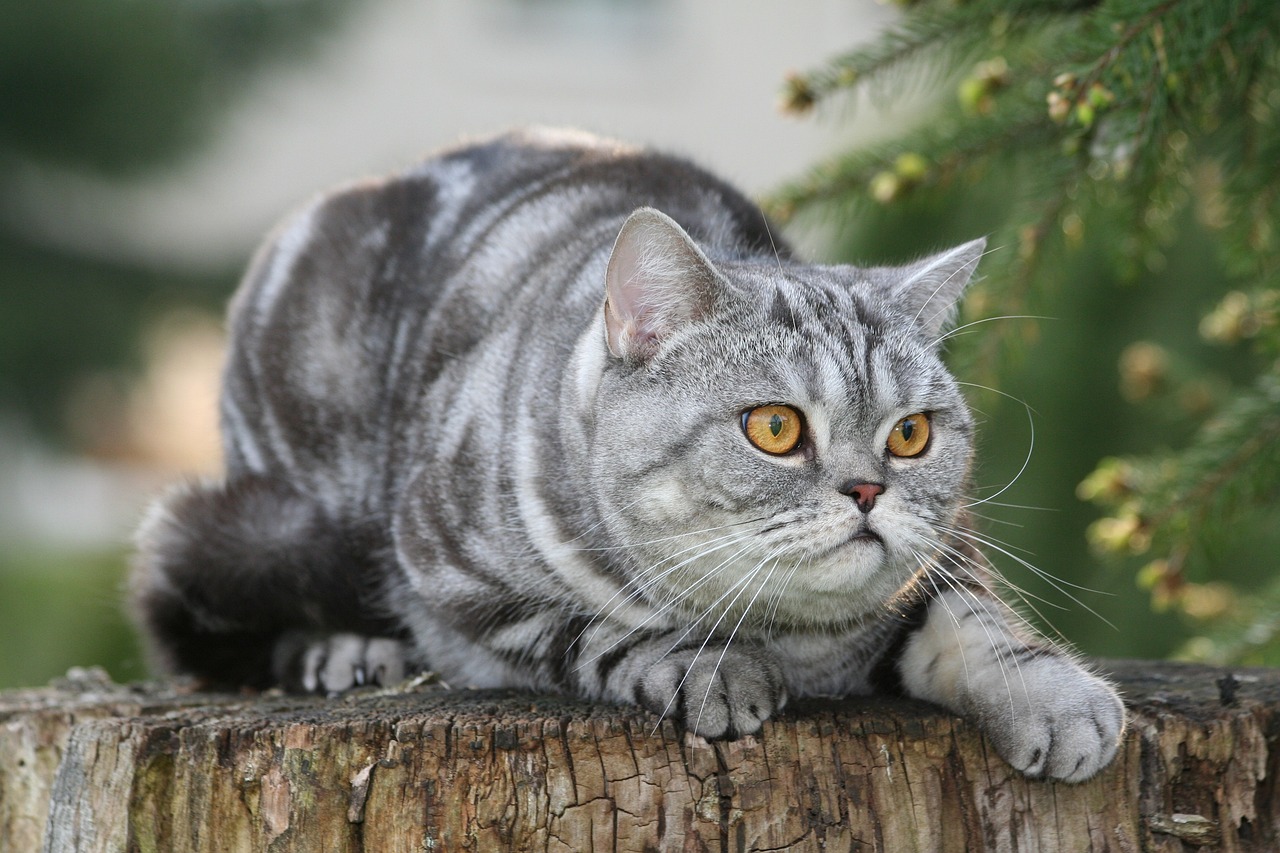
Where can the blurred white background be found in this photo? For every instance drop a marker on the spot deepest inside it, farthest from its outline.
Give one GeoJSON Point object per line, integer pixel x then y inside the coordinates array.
{"type": "Point", "coordinates": [402, 77]}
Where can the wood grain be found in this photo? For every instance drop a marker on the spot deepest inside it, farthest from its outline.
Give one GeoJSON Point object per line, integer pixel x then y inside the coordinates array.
{"type": "Point", "coordinates": [86, 765]}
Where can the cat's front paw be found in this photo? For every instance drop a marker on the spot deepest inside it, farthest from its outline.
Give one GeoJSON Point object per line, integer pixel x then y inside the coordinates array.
{"type": "Point", "coordinates": [718, 693]}
{"type": "Point", "coordinates": [1056, 721]}
{"type": "Point", "coordinates": [334, 663]}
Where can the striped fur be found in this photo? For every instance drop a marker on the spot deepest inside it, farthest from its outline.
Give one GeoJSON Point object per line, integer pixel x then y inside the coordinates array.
{"type": "Point", "coordinates": [485, 417]}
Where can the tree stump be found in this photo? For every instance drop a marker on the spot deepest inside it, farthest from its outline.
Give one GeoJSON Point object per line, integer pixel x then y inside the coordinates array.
{"type": "Point", "coordinates": [87, 765]}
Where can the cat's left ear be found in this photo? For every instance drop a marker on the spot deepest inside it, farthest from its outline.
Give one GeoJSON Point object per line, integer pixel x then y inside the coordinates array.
{"type": "Point", "coordinates": [930, 288]}
{"type": "Point", "coordinates": [658, 280]}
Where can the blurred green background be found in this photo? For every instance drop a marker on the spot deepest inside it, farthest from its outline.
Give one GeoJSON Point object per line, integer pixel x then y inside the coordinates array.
{"type": "Point", "coordinates": [146, 145]}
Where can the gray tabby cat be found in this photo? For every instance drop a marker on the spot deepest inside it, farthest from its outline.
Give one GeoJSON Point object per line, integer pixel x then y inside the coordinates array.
{"type": "Point", "coordinates": [500, 417]}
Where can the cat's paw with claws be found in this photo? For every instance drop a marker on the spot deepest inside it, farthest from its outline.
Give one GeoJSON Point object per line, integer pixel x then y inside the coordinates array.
{"type": "Point", "coordinates": [1056, 721]}
{"type": "Point", "coordinates": [334, 663]}
{"type": "Point", "coordinates": [718, 693]}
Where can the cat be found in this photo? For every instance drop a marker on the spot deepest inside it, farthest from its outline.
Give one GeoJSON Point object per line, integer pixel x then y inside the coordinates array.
{"type": "Point", "coordinates": [553, 412]}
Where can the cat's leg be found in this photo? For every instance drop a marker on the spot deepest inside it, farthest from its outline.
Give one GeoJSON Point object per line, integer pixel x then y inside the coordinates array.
{"type": "Point", "coordinates": [1044, 712]}
{"type": "Point", "coordinates": [715, 690]}
{"type": "Point", "coordinates": [247, 582]}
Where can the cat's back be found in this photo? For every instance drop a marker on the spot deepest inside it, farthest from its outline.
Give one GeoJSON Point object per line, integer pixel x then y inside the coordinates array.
{"type": "Point", "coordinates": [403, 237]}
{"type": "Point", "coordinates": [513, 202]}
{"type": "Point", "coordinates": [360, 300]}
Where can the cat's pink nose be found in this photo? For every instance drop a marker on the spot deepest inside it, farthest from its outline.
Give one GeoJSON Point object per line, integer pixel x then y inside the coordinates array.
{"type": "Point", "coordinates": [863, 493]}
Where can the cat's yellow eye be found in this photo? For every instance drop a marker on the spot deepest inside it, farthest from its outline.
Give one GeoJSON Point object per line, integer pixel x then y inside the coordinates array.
{"type": "Point", "coordinates": [909, 436]}
{"type": "Point", "coordinates": [774, 429]}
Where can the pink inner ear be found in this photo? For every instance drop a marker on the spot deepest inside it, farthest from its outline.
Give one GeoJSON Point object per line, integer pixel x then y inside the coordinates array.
{"type": "Point", "coordinates": [656, 279]}
{"type": "Point", "coordinates": [625, 288]}
{"type": "Point", "coordinates": [624, 309]}
{"type": "Point", "coordinates": [626, 327]}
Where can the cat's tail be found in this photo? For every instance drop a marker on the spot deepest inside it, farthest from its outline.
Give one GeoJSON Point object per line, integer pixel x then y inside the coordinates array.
{"type": "Point", "coordinates": [228, 570]}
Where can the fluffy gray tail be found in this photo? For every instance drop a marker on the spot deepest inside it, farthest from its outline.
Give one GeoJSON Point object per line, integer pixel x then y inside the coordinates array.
{"type": "Point", "coordinates": [225, 570]}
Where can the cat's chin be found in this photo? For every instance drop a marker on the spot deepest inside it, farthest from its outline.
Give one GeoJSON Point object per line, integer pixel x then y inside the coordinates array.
{"type": "Point", "coordinates": [844, 545]}
{"type": "Point", "coordinates": [857, 575]}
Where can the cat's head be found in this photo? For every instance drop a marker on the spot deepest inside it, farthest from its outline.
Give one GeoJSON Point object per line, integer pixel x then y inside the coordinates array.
{"type": "Point", "coordinates": [776, 439]}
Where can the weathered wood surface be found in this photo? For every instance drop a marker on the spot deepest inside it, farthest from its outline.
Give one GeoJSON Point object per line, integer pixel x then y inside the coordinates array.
{"type": "Point", "coordinates": [86, 765]}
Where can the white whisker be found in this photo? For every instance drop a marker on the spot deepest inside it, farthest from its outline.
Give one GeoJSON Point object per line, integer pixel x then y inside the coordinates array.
{"type": "Point", "coordinates": [1031, 446]}
{"type": "Point", "coordinates": [774, 601]}
{"type": "Point", "coordinates": [970, 598]}
{"type": "Point", "coordinates": [961, 562]}
{"type": "Point", "coordinates": [955, 621]}
{"type": "Point", "coordinates": [1004, 394]}
{"type": "Point", "coordinates": [953, 332]}
{"type": "Point", "coordinates": [1056, 583]}
{"type": "Point", "coordinates": [729, 641]}
{"type": "Point", "coordinates": [634, 592]}
{"type": "Point", "coordinates": [944, 283]}
{"type": "Point", "coordinates": [1021, 506]}
{"type": "Point", "coordinates": [671, 538]}
{"type": "Point", "coordinates": [740, 582]}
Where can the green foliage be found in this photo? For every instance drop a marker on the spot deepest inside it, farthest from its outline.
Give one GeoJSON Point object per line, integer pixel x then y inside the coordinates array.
{"type": "Point", "coordinates": [1112, 132]}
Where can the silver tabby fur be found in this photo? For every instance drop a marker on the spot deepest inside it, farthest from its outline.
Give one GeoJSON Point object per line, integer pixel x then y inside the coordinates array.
{"type": "Point", "coordinates": [484, 417]}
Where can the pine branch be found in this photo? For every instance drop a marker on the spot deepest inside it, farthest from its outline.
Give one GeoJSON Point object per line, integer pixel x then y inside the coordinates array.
{"type": "Point", "coordinates": [938, 37]}
{"type": "Point", "coordinates": [930, 157]}
{"type": "Point", "coordinates": [1163, 503]}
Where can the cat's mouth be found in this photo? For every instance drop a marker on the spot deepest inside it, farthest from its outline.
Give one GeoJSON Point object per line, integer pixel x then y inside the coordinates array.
{"type": "Point", "coordinates": [866, 534]}
{"type": "Point", "coordinates": [861, 537]}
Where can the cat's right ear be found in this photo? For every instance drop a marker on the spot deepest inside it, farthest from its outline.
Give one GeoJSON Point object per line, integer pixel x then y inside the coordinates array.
{"type": "Point", "coordinates": [657, 281]}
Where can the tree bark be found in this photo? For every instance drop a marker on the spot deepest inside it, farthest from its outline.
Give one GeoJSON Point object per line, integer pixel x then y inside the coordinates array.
{"type": "Point", "coordinates": [86, 765]}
